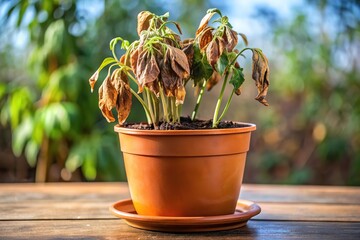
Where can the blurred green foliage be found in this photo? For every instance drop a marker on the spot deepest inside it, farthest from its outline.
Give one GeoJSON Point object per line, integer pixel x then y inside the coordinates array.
{"type": "Point", "coordinates": [309, 134]}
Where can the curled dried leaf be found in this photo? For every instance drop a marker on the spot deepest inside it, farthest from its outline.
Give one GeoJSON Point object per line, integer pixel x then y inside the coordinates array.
{"type": "Point", "coordinates": [134, 59]}
{"type": "Point", "coordinates": [189, 52]}
{"type": "Point", "coordinates": [261, 75]}
{"type": "Point", "coordinates": [143, 18]}
{"type": "Point", "coordinates": [169, 78]}
{"type": "Point", "coordinates": [123, 103]}
{"type": "Point", "coordinates": [179, 62]}
{"type": "Point", "coordinates": [107, 99]}
{"type": "Point", "coordinates": [222, 45]}
{"type": "Point", "coordinates": [244, 38]}
{"type": "Point", "coordinates": [205, 38]}
{"type": "Point", "coordinates": [238, 91]}
{"type": "Point", "coordinates": [93, 80]}
{"type": "Point", "coordinates": [147, 69]}
{"type": "Point", "coordinates": [213, 80]}
{"type": "Point", "coordinates": [204, 22]}
{"type": "Point", "coordinates": [180, 95]}
{"type": "Point", "coordinates": [231, 39]}
{"type": "Point", "coordinates": [212, 53]}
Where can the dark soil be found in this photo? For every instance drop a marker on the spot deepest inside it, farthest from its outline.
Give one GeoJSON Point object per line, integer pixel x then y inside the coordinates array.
{"type": "Point", "coordinates": [185, 124]}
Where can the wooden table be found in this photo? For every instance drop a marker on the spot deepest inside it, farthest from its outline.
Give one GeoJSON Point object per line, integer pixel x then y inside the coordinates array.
{"type": "Point", "coordinates": [80, 210]}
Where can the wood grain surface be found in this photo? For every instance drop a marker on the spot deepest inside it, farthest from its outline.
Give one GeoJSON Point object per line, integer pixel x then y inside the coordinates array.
{"type": "Point", "coordinates": [80, 211]}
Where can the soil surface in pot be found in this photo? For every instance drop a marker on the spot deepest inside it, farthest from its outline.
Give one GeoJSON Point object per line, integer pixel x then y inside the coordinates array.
{"type": "Point", "coordinates": [185, 124]}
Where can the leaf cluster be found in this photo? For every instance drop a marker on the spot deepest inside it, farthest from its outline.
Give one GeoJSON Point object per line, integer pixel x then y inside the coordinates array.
{"type": "Point", "coordinates": [161, 64]}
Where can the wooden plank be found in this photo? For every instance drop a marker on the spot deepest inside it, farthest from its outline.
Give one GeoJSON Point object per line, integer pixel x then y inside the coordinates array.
{"type": "Point", "coordinates": [112, 191]}
{"type": "Point", "coordinates": [309, 212]}
{"type": "Point", "coordinates": [99, 210]}
{"type": "Point", "coordinates": [301, 194]}
{"type": "Point", "coordinates": [117, 229]}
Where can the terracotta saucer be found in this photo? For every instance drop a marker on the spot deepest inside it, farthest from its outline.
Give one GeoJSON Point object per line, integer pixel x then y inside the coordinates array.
{"type": "Point", "coordinates": [244, 211]}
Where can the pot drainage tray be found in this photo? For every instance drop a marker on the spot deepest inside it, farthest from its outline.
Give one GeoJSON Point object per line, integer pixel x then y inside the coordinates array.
{"type": "Point", "coordinates": [244, 211]}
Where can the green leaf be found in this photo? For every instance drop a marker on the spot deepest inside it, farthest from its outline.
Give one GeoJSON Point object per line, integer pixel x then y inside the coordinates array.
{"type": "Point", "coordinates": [21, 135]}
{"type": "Point", "coordinates": [106, 62]}
{"type": "Point", "coordinates": [214, 10]}
{"type": "Point", "coordinates": [114, 41]}
{"type": "Point", "coordinates": [222, 63]}
{"type": "Point", "coordinates": [201, 68]}
{"type": "Point", "coordinates": [237, 77]}
{"type": "Point", "coordinates": [31, 152]}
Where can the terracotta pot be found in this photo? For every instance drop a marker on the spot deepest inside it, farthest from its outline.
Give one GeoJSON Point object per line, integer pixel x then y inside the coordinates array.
{"type": "Point", "coordinates": [185, 172]}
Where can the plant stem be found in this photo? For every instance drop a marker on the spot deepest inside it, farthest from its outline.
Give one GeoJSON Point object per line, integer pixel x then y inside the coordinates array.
{"type": "Point", "coordinates": [164, 104]}
{"type": "Point", "coordinates": [147, 111]}
{"type": "Point", "coordinates": [198, 101]}
{"type": "Point", "coordinates": [226, 107]}
{"type": "Point", "coordinates": [219, 100]}
{"type": "Point", "coordinates": [150, 105]}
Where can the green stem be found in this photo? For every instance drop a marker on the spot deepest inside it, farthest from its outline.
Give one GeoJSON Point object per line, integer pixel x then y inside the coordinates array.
{"type": "Point", "coordinates": [164, 104]}
{"type": "Point", "coordinates": [198, 101]}
{"type": "Point", "coordinates": [155, 103]}
{"type": "Point", "coordinates": [226, 107]}
{"type": "Point", "coordinates": [173, 109]}
{"type": "Point", "coordinates": [150, 105]}
{"type": "Point", "coordinates": [147, 111]}
{"type": "Point", "coordinates": [219, 100]}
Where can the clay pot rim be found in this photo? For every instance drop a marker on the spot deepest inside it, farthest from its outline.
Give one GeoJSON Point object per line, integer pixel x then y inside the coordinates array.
{"type": "Point", "coordinates": [248, 127]}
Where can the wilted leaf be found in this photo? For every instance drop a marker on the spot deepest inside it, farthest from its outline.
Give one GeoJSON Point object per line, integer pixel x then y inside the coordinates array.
{"type": "Point", "coordinates": [143, 18]}
{"type": "Point", "coordinates": [147, 69]}
{"type": "Point", "coordinates": [168, 77]}
{"type": "Point", "coordinates": [134, 59]}
{"type": "Point", "coordinates": [102, 105]}
{"type": "Point", "coordinates": [230, 38]}
{"type": "Point", "coordinates": [123, 103]}
{"type": "Point", "coordinates": [179, 62]}
{"type": "Point", "coordinates": [213, 80]}
{"type": "Point", "coordinates": [222, 63]}
{"type": "Point", "coordinates": [95, 76]}
{"type": "Point", "coordinates": [180, 95]}
{"type": "Point", "coordinates": [244, 38]}
{"type": "Point", "coordinates": [204, 22]}
{"type": "Point", "coordinates": [222, 45]}
{"type": "Point", "coordinates": [261, 74]}
{"type": "Point", "coordinates": [205, 38]}
{"type": "Point", "coordinates": [237, 79]}
{"type": "Point", "coordinates": [201, 69]}
{"type": "Point", "coordinates": [189, 52]}
{"type": "Point", "coordinates": [212, 53]}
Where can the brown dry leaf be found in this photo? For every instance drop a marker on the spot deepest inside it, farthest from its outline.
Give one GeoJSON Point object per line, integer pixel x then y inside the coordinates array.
{"type": "Point", "coordinates": [238, 91]}
{"type": "Point", "coordinates": [261, 75]}
{"type": "Point", "coordinates": [213, 80]}
{"type": "Point", "coordinates": [180, 95]}
{"type": "Point", "coordinates": [205, 38]}
{"type": "Point", "coordinates": [123, 103]}
{"type": "Point", "coordinates": [212, 53]}
{"type": "Point", "coordinates": [107, 99]}
{"type": "Point", "coordinates": [143, 18]}
{"type": "Point", "coordinates": [204, 22]}
{"type": "Point", "coordinates": [179, 62]}
{"type": "Point", "coordinates": [189, 52]}
{"type": "Point", "coordinates": [222, 45]}
{"type": "Point", "coordinates": [147, 69]}
{"type": "Point", "coordinates": [93, 80]}
{"type": "Point", "coordinates": [134, 59]}
{"type": "Point", "coordinates": [168, 77]}
{"type": "Point", "coordinates": [244, 38]}
{"type": "Point", "coordinates": [231, 39]}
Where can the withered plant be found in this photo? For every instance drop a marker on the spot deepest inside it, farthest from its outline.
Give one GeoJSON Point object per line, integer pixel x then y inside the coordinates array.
{"type": "Point", "coordinates": [161, 64]}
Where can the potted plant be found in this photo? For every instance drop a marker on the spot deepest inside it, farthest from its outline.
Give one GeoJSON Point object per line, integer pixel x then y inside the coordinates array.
{"type": "Point", "coordinates": [180, 166]}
